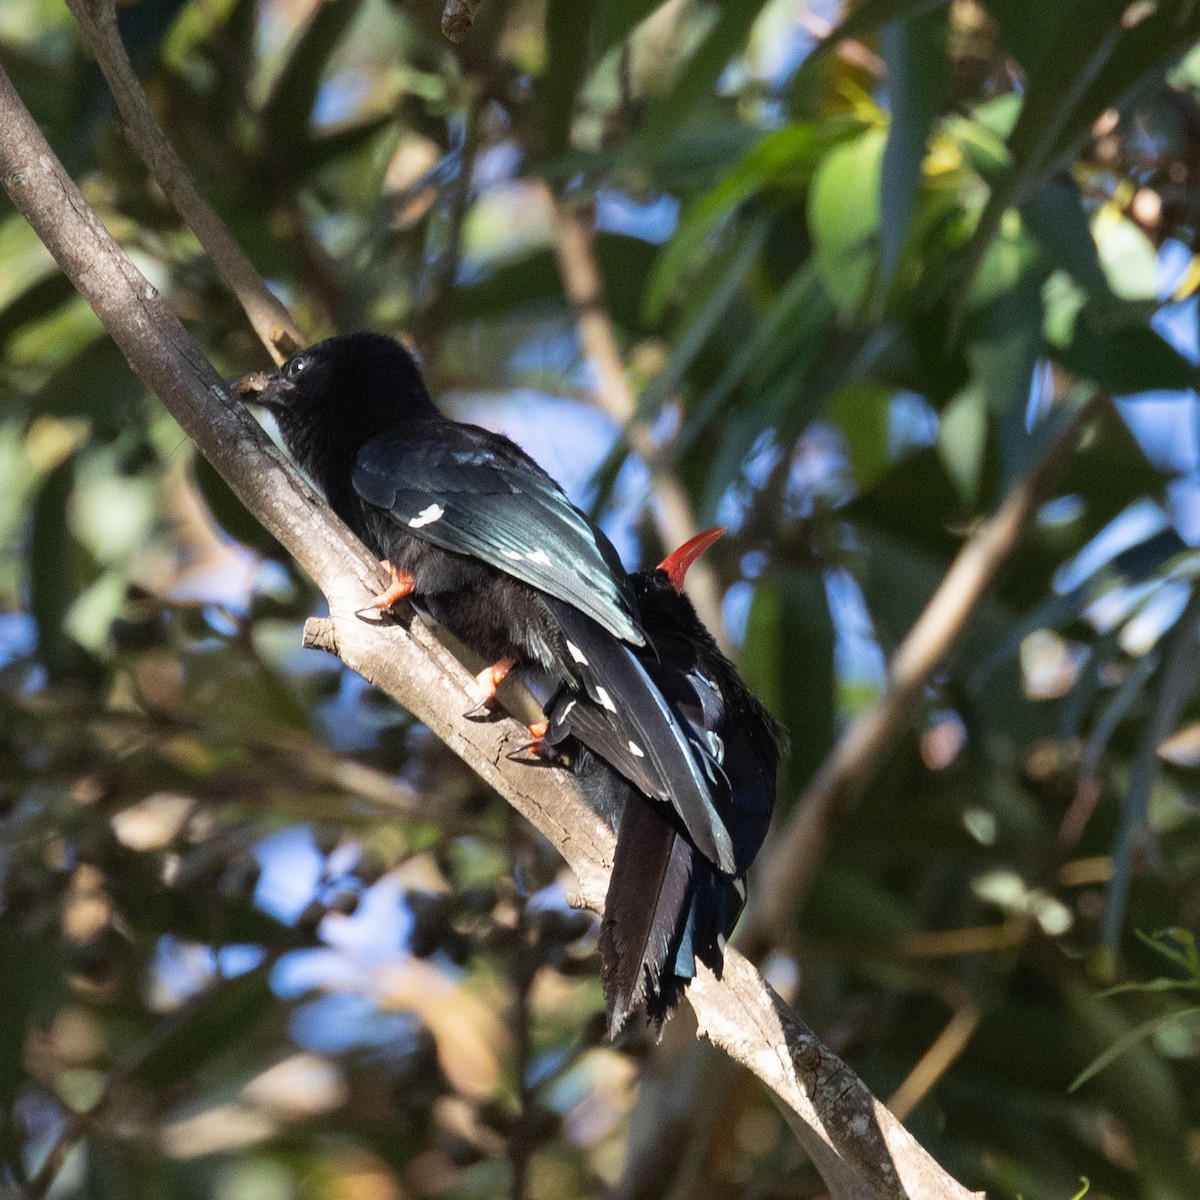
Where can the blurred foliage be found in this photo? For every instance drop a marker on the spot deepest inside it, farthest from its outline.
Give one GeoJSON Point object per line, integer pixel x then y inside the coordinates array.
{"type": "Point", "coordinates": [268, 937]}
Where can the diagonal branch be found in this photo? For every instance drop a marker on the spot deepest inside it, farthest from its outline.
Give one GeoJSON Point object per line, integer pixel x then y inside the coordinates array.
{"type": "Point", "coordinates": [860, 1148]}
{"type": "Point", "coordinates": [791, 859]}
{"type": "Point", "coordinates": [270, 319]}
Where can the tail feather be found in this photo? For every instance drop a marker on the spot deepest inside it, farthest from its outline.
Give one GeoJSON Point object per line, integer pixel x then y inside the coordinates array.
{"type": "Point", "coordinates": [667, 907]}
{"type": "Point", "coordinates": [649, 901]}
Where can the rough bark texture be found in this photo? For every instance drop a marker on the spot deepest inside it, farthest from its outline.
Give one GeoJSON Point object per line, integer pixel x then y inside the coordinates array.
{"type": "Point", "coordinates": [861, 1150]}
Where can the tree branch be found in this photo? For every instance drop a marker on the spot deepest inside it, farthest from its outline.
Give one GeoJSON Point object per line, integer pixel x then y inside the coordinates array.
{"type": "Point", "coordinates": [791, 858]}
{"type": "Point", "coordinates": [860, 1148]}
{"type": "Point", "coordinates": [270, 319]}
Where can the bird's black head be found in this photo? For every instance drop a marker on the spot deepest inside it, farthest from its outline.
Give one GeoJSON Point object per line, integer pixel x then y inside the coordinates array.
{"type": "Point", "coordinates": [356, 373]}
{"type": "Point", "coordinates": [332, 398]}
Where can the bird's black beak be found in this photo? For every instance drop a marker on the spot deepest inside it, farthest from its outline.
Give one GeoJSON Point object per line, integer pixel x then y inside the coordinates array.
{"type": "Point", "coordinates": [267, 391]}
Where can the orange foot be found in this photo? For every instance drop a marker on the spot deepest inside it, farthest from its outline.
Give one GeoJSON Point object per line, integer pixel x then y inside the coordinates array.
{"type": "Point", "coordinates": [483, 690]}
{"type": "Point", "coordinates": [402, 585]}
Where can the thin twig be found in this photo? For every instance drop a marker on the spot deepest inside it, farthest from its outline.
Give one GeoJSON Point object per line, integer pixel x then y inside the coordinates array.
{"type": "Point", "coordinates": [788, 864]}
{"type": "Point", "coordinates": [943, 1051]}
{"type": "Point", "coordinates": [270, 319]}
{"type": "Point", "coordinates": [671, 510]}
{"type": "Point", "coordinates": [861, 1150]}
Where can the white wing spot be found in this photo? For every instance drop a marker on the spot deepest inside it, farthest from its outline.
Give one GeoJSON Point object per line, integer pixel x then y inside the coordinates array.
{"type": "Point", "coordinates": [716, 747]}
{"type": "Point", "coordinates": [427, 516]}
{"type": "Point", "coordinates": [577, 654]}
{"type": "Point", "coordinates": [605, 699]}
{"type": "Point", "coordinates": [515, 555]}
{"type": "Point", "coordinates": [634, 748]}
{"type": "Point", "coordinates": [566, 712]}
{"type": "Point", "coordinates": [540, 557]}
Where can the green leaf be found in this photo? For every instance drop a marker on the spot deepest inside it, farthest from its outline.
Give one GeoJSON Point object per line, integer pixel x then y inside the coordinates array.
{"type": "Point", "coordinates": [791, 608]}
{"type": "Point", "coordinates": [1144, 54]}
{"type": "Point", "coordinates": [38, 300]}
{"type": "Point", "coordinates": [1087, 683]}
{"type": "Point", "coordinates": [731, 271]}
{"type": "Point", "coordinates": [797, 318]}
{"type": "Point", "coordinates": [1173, 684]}
{"type": "Point", "coordinates": [784, 159]}
{"type": "Point", "coordinates": [616, 19]}
{"type": "Point", "coordinates": [1129, 258]}
{"type": "Point", "coordinates": [843, 216]}
{"type": "Point", "coordinates": [1188, 958]}
{"type": "Point", "coordinates": [1029, 31]}
{"type": "Point", "coordinates": [568, 35]}
{"type": "Point", "coordinates": [1054, 216]}
{"type": "Point", "coordinates": [1004, 347]}
{"type": "Point", "coordinates": [863, 412]}
{"type": "Point", "coordinates": [1139, 1033]}
{"type": "Point", "coordinates": [721, 44]}
{"type": "Point", "coordinates": [1122, 358]}
{"type": "Point", "coordinates": [962, 440]}
{"type": "Point", "coordinates": [915, 53]}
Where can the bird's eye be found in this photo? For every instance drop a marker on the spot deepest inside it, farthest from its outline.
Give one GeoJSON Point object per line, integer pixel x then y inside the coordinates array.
{"type": "Point", "coordinates": [296, 366]}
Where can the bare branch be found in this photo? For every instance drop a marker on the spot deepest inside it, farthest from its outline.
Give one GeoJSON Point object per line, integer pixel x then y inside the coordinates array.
{"type": "Point", "coordinates": [791, 858]}
{"type": "Point", "coordinates": [270, 319]}
{"type": "Point", "coordinates": [860, 1148]}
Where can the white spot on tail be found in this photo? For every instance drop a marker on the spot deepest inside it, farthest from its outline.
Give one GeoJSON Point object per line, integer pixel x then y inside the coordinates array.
{"type": "Point", "coordinates": [605, 699]}
{"type": "Point", "coordinates": [634, 748]}
{"type": "Point", "coordinates": [427, 516]}
{"type": "Point", "coordinates": [577, 654]}
{"type": "Point", "coordinates": [540, 557]}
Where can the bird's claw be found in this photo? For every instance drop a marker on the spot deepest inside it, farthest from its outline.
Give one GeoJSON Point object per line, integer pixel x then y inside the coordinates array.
{"type": "Point", "coordinates": [482, 689]}
{"type": "Point", "coordinates": [372, 613]}
{"type": "Point", "coordinates": [401, 586]}
{"type": "Point", "coordinates": [537, 750]}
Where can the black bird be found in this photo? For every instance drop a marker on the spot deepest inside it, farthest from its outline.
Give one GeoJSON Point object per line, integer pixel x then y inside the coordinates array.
{"type": "Point", "coordinates": [668, 904]}
{"type": "Point", "coordinates": [484, 541]}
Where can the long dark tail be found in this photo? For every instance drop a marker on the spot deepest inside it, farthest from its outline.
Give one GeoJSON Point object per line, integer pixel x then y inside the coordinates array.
{"type": "Point", "coordinates": [666, 907]}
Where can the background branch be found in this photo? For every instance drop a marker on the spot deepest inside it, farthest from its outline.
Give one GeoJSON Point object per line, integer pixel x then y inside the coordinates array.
{"type": "Point", "coordinates": [270, 319]}
{"type": "Point", "coordinates": [860, 1148]}
{"type": "Point", "coordinates": [789, 861]}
